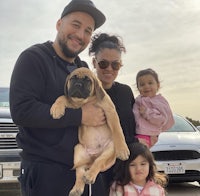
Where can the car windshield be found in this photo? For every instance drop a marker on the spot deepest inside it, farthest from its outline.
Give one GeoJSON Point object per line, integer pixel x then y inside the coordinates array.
{"type": "Point", "coordinates": [181, 125]}
{"type": "Point", "coordinates": [4, 97]}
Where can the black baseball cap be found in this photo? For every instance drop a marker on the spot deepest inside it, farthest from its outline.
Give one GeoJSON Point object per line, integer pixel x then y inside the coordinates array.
{"type": "Point", "coordinates": [85, 6]}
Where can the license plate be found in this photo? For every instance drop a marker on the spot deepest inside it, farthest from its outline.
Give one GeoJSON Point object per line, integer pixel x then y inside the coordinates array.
{"type": "Point", "coordinates": [174, 168]}
{"type": "Point", "coordinates": [1, 171]}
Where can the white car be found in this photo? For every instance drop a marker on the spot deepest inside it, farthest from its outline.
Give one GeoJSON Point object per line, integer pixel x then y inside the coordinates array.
{"type": "Point", "coordinates": [177, 152]}
{"type": "Point", "coordinates": [9, 151]}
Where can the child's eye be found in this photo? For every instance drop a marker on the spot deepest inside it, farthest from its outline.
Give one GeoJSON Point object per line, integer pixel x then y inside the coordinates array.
{"type": "Point", "coordinates": [144, 163]}
{"type": "Point", "coordinates": [141, 84]}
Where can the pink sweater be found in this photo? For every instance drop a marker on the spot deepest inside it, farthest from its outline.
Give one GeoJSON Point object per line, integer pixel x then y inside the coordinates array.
{"type": "Point", "coordinates": [150, 189]}
{"type": "Point", "coordinates": [158, 116]}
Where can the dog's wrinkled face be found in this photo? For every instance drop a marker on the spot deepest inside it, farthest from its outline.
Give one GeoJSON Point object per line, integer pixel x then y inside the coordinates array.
{"type": "Point", "coordinates": [82, 84]}
{"type": "Point", "coordinates": [79, 87]}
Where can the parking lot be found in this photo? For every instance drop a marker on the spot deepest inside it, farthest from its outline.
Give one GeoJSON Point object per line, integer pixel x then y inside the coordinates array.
{"type": "Point", "coordinates": [12, 189]}
{"type": "Point", "coordinates": [174, 189]}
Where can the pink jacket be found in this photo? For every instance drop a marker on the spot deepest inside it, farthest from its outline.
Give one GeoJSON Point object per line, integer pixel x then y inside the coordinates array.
{"type": "Point", "coordinates": [150, 189]}
{"type": "Point", "coordinates": [157, 118]}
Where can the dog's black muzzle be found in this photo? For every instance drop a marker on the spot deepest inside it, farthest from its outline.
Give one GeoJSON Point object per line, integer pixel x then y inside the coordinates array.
{"type": "Point", "coordinates": [80, 87]}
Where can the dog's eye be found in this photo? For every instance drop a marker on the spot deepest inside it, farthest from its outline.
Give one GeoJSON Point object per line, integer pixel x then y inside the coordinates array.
{"type": "Point", "coordinates": [73, 78]}
{"type": "Point", "coordinates": [86, 78]}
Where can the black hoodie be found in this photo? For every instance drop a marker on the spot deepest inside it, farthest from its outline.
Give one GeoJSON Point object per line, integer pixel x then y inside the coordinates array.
{"type": "Point", "coordinates": [37, 80]}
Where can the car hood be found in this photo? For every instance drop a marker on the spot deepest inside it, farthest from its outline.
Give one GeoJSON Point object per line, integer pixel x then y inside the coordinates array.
{"type": "Point", "coordinates": [179, 138]}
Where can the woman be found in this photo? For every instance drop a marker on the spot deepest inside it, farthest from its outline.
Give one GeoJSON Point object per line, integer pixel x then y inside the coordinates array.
{"type": "Point", "coordinates": [106, 51]}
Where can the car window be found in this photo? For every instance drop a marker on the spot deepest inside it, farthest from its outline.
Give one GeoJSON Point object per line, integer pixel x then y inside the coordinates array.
{"type": "Point", "coordinates": [4, 97]}
{"type": "Point", "coordinates": [181, 125]}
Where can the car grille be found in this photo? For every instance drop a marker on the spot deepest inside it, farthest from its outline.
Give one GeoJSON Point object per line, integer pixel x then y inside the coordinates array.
{"type": "Point", "coordinates": [176, 155]}
{"type": "Point", "coordinates": [188, 173]}
{"type": "Point", "coordinates": [188, 176]}
{"type": "Point", "coordinates": [8, 132]}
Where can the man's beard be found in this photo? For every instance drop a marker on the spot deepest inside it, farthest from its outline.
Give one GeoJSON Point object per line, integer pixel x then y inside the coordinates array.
{"type": "Point", "coordinates": [66, 51]}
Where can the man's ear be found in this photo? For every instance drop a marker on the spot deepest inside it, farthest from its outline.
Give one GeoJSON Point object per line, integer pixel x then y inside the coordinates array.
{"type": "Point", "coordinates": [58, 24]}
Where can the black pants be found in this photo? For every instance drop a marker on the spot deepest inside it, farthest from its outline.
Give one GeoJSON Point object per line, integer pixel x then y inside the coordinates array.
{"type": "Point", "coordinates": [52, 179]}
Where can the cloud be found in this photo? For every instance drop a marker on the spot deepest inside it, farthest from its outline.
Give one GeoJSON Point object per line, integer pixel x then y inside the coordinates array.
{"type": "Point", "coordinates": [163, 35]}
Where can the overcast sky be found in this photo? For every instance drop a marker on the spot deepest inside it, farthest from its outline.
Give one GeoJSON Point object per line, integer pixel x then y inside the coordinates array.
{"type": "Point", "coordinates": [159, 34]}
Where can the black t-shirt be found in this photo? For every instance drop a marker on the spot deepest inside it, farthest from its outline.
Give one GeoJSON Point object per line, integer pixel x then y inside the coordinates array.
{"type": "Point", "coordinates": [123, 99]}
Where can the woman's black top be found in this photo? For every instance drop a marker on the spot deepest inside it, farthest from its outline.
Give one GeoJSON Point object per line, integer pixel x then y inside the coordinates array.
{"type": "Point", "coordinates": [123, 99]}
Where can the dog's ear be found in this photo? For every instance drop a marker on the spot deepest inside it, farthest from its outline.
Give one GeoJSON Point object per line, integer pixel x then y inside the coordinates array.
{"type": "Point", "coordinates": [66, 85]}
{"type": "Point", "coordinates": [99, 91]}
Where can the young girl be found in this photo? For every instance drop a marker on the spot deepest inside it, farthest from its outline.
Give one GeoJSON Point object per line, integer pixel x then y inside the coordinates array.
{"type": "Point", "coordinates": [152, 111]}
{"type": "Point", "coordinates": [138, 176]}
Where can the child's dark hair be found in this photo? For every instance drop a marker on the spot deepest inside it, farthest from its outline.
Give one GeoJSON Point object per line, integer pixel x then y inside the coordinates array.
{"type": "Point", "coordinates": [121, 169]}
{"type": "Point", "coordinates": [103, 40]}
{"type": "Point", "coordinates": [148, 71]}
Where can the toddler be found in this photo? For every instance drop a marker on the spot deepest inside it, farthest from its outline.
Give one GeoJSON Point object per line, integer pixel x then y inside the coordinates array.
{"type": "Point", "coordinates": [152, 111]}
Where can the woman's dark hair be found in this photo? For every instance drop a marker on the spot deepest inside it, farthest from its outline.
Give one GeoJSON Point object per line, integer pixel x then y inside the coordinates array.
{"type": "Point", "coordinates": [121, 169]}
{"type": "Point", "coordinates": [103, 40]}
{"type": "Point", "coordinates": [148, 71]}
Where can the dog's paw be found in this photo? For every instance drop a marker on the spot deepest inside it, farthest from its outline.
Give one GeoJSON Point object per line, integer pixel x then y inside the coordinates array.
{"type": "Point", "coordinates": [88, 178]}
{"type": "Point", "coordinates": [57, 110]}
{"type": "Point", "coordinates": [123, 153]}
{"type": "Point", "coordinates": [75, 192]}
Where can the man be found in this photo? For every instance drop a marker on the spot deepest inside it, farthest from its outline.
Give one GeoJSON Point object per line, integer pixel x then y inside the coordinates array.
{"type": "Point", "coordinates": [38, 79]}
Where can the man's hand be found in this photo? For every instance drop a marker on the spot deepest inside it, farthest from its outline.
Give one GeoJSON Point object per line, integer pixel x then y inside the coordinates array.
{"type": "Point", "coordinates": [92, 115]}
